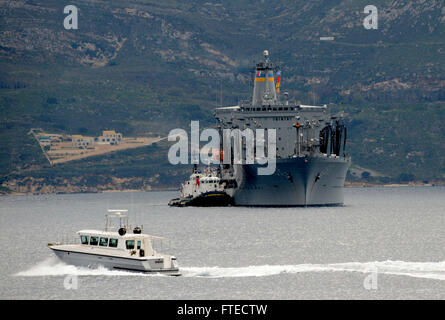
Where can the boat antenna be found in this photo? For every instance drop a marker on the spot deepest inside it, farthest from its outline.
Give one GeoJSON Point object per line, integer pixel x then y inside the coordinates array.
{"type": "Point", "coordinates": [132, 209]}
{"type": "Point", "coordinates": [216, 95]}
{"type": "Point", "coordinates": [221, 94]}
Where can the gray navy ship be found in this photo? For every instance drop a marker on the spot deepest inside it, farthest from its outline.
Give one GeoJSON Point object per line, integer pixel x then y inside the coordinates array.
{"type": "Point", "coordinates": [311, 159]}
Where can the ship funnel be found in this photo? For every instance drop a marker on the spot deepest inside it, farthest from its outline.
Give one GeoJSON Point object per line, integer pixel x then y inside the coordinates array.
{"type": "Point", "coordinates": [264, 91]}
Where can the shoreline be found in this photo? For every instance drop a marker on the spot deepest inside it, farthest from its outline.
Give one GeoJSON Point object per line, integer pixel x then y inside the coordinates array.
{"type": "Point", "coordinates": [393, 185]}
{"type": "Point", "coordinates": [347, 185]}
{"type": "Point", "coordinates": [15, 193]}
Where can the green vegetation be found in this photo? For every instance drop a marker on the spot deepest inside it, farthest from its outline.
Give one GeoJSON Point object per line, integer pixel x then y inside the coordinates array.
{"type": "Point", "coordinates": [144, 67]}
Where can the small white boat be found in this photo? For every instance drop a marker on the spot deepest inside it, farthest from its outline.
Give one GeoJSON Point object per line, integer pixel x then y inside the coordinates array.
{"type": "Point", "coordinates": [114, 248]}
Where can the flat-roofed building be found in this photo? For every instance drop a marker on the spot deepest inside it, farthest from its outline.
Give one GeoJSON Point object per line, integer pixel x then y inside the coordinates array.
{"type": "Point", "coordinates": [109, 137]}
{"type": "Point", "coordinates": [80, 141]}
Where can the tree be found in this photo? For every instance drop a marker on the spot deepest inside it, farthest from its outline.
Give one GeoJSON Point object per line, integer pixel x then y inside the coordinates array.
{"type": "Point", "coordinates": [366, 175]}
{"type": "Point", "coordinates": [406, 177]}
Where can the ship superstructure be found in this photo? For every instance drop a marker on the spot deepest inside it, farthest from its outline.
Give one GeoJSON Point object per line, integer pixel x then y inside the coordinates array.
{"type": "Point", "coordinates": [311, 159]}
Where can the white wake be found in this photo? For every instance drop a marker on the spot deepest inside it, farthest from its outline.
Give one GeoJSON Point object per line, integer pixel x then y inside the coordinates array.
{"type": "Point", "coordinates": [55, 267]}
{"type": "Point", "coordinates": [429, 270]}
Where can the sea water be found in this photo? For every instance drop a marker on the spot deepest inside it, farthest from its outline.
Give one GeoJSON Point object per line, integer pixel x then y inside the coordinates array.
{"type": "Point", "coordinates": [384, 243]}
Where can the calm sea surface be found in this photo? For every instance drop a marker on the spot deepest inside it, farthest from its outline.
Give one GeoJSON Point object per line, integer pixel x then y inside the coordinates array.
{"type": "Point", "coordinates": [385, 243]}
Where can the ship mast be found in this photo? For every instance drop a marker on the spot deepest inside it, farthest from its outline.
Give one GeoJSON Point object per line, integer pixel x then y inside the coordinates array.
{"type": "Point", "coordinates": [264, 84]}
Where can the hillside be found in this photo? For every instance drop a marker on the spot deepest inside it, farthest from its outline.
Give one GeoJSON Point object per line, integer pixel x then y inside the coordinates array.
{"type": "Point", "coordinates": [150, 66]}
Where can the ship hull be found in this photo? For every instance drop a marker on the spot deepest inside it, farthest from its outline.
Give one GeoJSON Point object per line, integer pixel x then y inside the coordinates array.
{"type": "Point", "coordinates": [83, 259]}
{"type": "Point", "coordinates": [300, 181]}
{"type": "Point", "coordinates": [207, 199]}
{"type": "Point", "coordinates": [211, 199]}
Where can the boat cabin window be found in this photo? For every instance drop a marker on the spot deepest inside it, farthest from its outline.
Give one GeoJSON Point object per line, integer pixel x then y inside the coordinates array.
{"type": "Point", "coordinates": [113, 243]}
{"type": "Point", "coordinates": [84, 239]}
{"type": "Point", "coordinates": [129, 244]}
{"type": "Point", "coordinates": [94, 241]}
{"type": "Point", "coordinates": [139, 245]}
{"type": "Point", "coordinates": [103, 242]}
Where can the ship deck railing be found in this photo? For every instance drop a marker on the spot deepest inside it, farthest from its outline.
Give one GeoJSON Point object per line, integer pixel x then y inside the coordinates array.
{"type": "Point", "coordinates": [66, 239]}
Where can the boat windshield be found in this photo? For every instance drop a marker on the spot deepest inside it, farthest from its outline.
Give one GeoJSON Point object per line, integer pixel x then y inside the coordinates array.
{"type": "Point", "coordinates": [94, 241]}
{"type": "Point", "coordinates": [103, 242]}
{"type": "Point", "coordinates": [113, 243]}
{"type": "Point", "coordinates": [84, 239]}
{"type": "Point", "coordinates": [129, 244]}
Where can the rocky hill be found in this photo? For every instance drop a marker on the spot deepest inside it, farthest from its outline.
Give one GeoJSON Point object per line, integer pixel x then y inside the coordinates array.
{"type": "Point", "coordinates": [149, 66]}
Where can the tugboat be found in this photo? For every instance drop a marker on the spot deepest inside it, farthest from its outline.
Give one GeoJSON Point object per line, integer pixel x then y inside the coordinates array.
{"type": "Point", "coordinates": [203, 190]}
{"type": "Point", "coordinates": [115, 248]}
